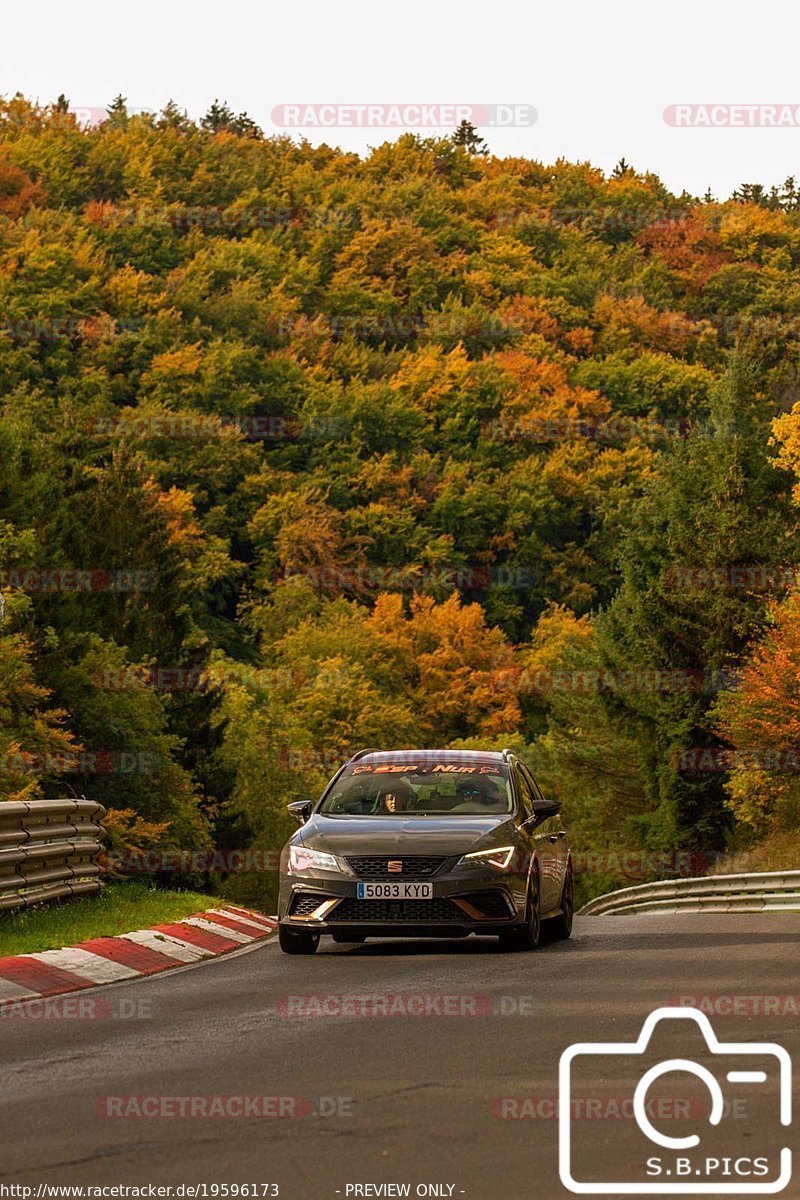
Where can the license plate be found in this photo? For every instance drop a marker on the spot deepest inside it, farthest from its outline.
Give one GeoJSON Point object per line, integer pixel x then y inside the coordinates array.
{"type": "Point", "coordinates": [395, 891]}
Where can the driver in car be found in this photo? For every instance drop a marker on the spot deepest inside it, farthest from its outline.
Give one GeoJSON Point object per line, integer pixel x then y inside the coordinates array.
{"type": "Point", "coordinates": [397, 800]}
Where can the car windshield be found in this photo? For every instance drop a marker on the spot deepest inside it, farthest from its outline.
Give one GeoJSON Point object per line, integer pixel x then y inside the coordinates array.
{"type": "Point", "coordinates": [414, 789]}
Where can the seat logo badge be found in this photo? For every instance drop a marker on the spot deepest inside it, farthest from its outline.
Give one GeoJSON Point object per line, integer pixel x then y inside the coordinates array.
{"type": "Point", "coordinates": [395, 866]}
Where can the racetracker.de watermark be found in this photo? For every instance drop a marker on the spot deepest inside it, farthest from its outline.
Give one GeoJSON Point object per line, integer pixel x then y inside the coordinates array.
{"type": "Point", "coordinates": [599, 429]}
{"type": "Point", "coordinates": [47, 329]}
{"type": "Point", "coordinates": [401, 116]}
{"type": "Point", "coordinates": [715, 759]}
{"type": "Point", "coordinates": [733, 116]}
{"type": "Point", "coordinates": [225, 1107]}
{"type": "Point", "coordinates": [77, 1008]}
{"type": "Point", "coordinates": [646, 680]}
{"type": "Point", "coordinates": [69, 580]}
{"type": "Point", "coordinates": [643, 865]}
{"type": "Point", "coordinates": [741, 577]}
{"type": "Point", "coordinates": [190, 862]}
{"type": "Point", "coordinates": [204, 426]}
{"type": "Point", "coordinates": [740, 1004]}
{"type": "Point", "coordinates": [374, 577]}
{"type": "Point", "coordinates": [135, 676]}
{"type": "Point", "coordinates": [607, 1108]}
{"type": "Point", "coordinates": [84, 762]}
{"type": "Point", "coordinates": [403, 1004]}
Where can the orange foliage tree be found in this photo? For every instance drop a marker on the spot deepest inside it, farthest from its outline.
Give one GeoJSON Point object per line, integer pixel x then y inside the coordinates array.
{"type": "Point", "coordinates": [761, 718]}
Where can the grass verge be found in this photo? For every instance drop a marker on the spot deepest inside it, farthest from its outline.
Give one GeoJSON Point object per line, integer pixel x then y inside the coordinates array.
{"type": "Point", "coordinates": [119, 908]}
{"type": "Point", "coordinates": [780, 852]}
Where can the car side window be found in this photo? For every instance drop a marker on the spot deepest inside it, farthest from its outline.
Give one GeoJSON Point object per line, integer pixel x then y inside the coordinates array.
{"type": "Point", "coordinates": [525, 791]}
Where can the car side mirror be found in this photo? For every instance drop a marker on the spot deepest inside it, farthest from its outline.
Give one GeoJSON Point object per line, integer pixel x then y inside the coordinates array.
{"type": "Point", "coordinates": [300, 810]}
{"type": "Point", "coordinates": [543, 809]}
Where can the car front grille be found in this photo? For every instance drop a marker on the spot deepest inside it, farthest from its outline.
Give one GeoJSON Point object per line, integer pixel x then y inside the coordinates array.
{"type": "Point", "coordinates": [415, 866]}
{"type": "Point", "coordinates": [424, 911]}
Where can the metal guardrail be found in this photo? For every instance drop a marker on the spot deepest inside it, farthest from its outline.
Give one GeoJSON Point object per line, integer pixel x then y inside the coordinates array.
{"type": "Point", "coordinates": [47, 850]}
{"type": "Point", "coordinates": [770, 891]}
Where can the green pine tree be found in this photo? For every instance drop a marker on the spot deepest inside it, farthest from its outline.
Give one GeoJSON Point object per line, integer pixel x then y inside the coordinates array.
{"type": "Point", "coordinates": [118, 112]}
{"type": "Point", "coordinates": [467, 136]}
{"type": "Point", "coordinates": [720, 505]}
{"type": "Point", "coordinates": [221, 118]}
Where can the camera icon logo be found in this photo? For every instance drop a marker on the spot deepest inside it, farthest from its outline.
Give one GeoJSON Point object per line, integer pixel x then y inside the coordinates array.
{"type": "Point", "coordinates": [733, 1077]}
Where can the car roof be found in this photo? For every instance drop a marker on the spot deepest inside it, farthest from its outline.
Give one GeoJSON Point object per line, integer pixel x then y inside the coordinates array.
{"type": "Point", "coordinates": [372, 757]}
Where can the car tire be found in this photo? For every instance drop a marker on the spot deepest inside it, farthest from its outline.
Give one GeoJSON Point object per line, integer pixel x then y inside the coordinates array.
{"type": "Point", "coordinates": [560, 927]}
{"type": "Point", "coordinates": [297, 941]}
{"type": "Point", "coordinates": [529, 935]}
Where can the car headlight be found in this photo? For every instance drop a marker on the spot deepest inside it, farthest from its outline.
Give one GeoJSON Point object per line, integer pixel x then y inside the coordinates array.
{"type": "Point", "coordinates": [301, 858]}
{"type": "Point", "coordinates": [498, 857]}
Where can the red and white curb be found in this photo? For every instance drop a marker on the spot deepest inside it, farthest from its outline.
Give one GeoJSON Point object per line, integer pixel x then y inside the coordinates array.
{"type": "Point", "coordinates": [142, 952]}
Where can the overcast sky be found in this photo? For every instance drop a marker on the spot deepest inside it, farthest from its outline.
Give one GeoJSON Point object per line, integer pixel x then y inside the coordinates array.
{"type": "Point", "coordinates": [599, 75]}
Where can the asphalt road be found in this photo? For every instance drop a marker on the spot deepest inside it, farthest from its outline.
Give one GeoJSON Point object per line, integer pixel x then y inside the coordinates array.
{"type": "Point", "coordinates": [407, 1099]}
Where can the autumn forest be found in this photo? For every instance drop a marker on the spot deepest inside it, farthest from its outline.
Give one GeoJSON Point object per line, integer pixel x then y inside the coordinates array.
{"type": "Point", "coordinates": [302, 452]}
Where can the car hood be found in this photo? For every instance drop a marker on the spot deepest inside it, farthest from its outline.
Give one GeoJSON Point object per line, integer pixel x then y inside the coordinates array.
{"type": "Point", "coordinates": [404, 835]}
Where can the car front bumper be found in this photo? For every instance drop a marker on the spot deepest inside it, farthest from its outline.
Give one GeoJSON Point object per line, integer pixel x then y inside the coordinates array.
{"type": "Point", "coordinates": [463, 902]}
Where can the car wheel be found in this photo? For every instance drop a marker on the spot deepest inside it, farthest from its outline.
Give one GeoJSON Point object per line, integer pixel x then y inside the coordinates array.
{"type": "Point", "coordinates": [294, 942]}
{"type": "Point", "coordinates": [560, 928]}
{"type": "Point", "coordinates": [348, 937]}
{"type": "Point", "coordinates": [529, 935]}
